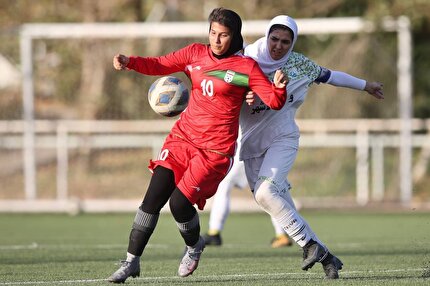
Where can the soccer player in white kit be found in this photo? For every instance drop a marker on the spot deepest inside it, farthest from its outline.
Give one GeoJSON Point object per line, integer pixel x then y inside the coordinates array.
{"type": "Point", "coordinates": [271, 52]}
{"type": "Point", "coordinates": [220, 208]}
{"type": "Point", "coordinates": [270, 139]}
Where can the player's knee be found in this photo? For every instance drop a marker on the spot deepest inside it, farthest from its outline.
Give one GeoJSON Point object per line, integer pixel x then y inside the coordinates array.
{"type": "Point", "coordinates": [182, 210]}
{"type": "Point", "coordinates": [264, 193]}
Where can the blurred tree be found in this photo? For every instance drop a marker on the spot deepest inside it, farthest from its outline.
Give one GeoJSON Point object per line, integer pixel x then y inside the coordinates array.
{"type": "Point", "coordinates": [94, 53]}
{"type": "Point", "coordinates": [87, 87]}
{"type": "Point", "coordinates": [74, 79]}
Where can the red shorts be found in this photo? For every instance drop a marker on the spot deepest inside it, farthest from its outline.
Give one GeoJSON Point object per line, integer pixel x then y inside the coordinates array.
{"type": "Point", "coordinates": [197, 172]}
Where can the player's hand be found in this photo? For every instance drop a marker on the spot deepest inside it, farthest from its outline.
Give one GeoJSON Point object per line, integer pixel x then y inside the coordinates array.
{"type": "Point", "coordinates": [280, 79]}
{"type": "Point", "coordinates": [375, 88]}
{"type": "Point", "coordinates": [250, 98]}
{"type": "Point", "coordinates": [120, 62]}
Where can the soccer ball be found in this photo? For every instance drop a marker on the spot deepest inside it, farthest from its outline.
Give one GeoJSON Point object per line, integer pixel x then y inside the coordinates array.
{"type": "Point", "coordinates": [168, 96]}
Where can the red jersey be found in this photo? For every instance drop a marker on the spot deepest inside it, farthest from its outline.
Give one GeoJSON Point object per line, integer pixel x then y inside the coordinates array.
{"type": "Point", "coordinates": [211, 120]}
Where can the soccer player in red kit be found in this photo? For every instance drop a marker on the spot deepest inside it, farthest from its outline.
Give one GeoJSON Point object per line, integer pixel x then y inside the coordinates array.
{"type": "Point", "coordinates": [198, 152]}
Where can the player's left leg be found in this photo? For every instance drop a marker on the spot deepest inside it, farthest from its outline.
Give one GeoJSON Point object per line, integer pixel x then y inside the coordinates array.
{"type": "Point", "coordinates": [267, 195]}
{"type": "Point", "coordinates": [274, 197]}
{"type": "Point", "coordinates": [331, 264]}
{"type": "Point", "coordinates": [187, 220]}
{"type": "Point", "coordinates": [281, 238]}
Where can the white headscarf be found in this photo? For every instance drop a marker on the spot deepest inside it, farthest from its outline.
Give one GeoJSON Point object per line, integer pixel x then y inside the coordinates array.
{"type": "Point", "coordinates": [259, 49]}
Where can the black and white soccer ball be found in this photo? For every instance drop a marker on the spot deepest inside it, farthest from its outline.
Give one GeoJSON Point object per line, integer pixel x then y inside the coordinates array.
{"type": "Point", "coordinates": [168, 96]}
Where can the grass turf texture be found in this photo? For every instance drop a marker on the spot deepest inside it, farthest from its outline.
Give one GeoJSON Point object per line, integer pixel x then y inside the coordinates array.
{"type": "Point", "coordinates": [376, 248]}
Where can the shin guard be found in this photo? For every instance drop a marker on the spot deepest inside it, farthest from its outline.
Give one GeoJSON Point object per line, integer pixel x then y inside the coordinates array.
{"type": "Point", "coordinates": [143, 226]}
{"type": "Point", "coordinates": [190, 230]}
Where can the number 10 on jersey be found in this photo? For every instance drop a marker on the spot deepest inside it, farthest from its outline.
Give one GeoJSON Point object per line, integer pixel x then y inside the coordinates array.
{"type": "Point", "coordinates": [207, 87]}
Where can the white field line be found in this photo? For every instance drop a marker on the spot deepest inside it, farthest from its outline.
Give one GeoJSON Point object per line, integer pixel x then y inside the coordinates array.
{"type": "Point", "coordinates": [212, 277]}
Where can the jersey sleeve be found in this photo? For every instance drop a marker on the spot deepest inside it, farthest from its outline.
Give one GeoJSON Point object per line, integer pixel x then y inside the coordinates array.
{"type": "Point", "coordinates": [272, 96]}
{"type": "Point", "coordinates": [324, 75]}
{"type": "Point", "coordinates": [312, 70]}
{"type": "Point", "coordinates": [163, 65]}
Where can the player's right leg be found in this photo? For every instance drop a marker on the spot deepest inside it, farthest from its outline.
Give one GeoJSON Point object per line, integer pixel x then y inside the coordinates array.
{"type": "Point", "coordinates": [220, 208]}
{"type": "Point", "coordinates": [160, 188]}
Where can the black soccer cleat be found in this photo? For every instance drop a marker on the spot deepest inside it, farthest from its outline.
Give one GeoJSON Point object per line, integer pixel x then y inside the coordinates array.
{"type": "Point", "coordinates": [214, 240]}
{"type": "Point", "coordinates": [313, 252]}
{"type": "Point", "coordinates": [331, 265]}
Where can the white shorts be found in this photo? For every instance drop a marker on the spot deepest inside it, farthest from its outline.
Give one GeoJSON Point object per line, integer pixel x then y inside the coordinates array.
{"type": "Point", "coordinates": [274, 164]}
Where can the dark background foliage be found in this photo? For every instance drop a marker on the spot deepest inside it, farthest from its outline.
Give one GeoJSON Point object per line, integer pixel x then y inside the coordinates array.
{"type": "Point", "coordinates": [74, 78]}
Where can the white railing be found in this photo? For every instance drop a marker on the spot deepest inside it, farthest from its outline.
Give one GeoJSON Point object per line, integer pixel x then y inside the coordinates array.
{"type": "Point", "coordinates": [368, 136]}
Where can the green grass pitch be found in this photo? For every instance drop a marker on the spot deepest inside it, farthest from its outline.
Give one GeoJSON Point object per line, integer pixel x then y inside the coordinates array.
{"type": "Point", "coordinates": [376, 248]}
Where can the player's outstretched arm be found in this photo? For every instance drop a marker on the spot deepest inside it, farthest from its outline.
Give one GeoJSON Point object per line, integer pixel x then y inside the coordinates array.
{"type": "Point", "coordinates": [375, 88]}
{"type": "Point", "coordinates": [343, 79]}
{"type": "Point", "coordinates": [120, 62]}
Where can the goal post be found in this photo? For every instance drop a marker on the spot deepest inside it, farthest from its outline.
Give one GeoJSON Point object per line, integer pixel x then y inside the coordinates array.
{"type": "Point", "coordinates": [401, 26]}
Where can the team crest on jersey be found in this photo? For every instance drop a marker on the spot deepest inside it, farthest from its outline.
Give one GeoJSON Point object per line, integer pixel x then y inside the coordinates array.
{"type": "Point", "coordinates": [229, 75]}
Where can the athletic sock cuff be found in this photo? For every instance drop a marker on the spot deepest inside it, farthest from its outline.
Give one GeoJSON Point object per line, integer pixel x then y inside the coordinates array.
{"type": "Point", "coordinates": [189, 225]}
{"type": "Point", "coordinates": [143, 220]}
